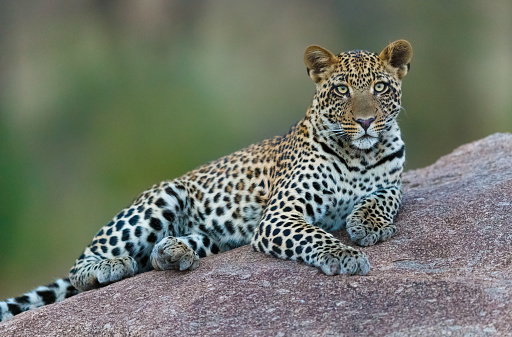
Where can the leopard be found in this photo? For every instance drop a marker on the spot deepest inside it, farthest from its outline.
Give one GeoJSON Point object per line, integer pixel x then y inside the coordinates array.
{"type": "Point", "coordinates": [339, 167]}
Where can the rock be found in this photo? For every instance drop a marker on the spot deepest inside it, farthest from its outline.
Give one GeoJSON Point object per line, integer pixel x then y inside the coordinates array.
{"type": "Point", "coordinates": [448, 271]}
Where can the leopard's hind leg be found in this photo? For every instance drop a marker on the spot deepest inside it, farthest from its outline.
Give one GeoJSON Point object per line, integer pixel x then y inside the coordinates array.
{"type": "Point", "coordinates": [123, 248]}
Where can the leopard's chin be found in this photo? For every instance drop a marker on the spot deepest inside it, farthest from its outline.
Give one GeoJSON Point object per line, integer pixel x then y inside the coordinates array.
{"type": "Point", "coordinates": [365, 142]}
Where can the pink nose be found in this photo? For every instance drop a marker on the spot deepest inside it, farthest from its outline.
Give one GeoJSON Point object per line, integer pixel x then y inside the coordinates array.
{"type": "Point", "coordinates": [365, 123]}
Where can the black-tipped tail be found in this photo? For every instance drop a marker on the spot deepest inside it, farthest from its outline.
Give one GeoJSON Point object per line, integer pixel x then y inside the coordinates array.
{"type": "Point", "coordinates": [55, 292]}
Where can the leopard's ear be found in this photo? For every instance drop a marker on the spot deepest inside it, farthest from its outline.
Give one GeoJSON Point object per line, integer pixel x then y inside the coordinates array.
{"type": "Point", "coordinates": [319, 62]}
{"type": "Point", "coordinates": [397, 57]}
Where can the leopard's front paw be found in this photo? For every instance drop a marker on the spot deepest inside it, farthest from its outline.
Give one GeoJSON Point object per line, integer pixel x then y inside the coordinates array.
{"type": "Point", "coordinates": [344, 260]}
{"type": "Point", "coordinates": [170, 253]}
{"type": "Point", "coordinates": [366, 232]}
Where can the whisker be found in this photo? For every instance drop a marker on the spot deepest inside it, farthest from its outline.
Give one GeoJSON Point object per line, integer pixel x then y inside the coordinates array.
{"type": "Point", "coordinates": [337, 133]}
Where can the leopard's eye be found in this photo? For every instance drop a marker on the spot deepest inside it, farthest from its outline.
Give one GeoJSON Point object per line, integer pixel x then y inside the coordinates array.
{"type": "Point", "coordinates": [379, 87]}
{"type": "Point", "coordinates": [341, 90]}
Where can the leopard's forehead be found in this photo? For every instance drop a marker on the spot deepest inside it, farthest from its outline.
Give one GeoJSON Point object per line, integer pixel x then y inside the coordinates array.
{"type": "Point", "coordinates": [359, 68]}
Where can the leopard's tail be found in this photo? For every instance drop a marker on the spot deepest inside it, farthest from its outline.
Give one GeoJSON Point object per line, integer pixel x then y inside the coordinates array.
{"type": "Point", "coordinates": [55, 292]}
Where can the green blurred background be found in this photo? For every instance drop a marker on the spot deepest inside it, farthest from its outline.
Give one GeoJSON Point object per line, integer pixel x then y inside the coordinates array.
{"type": "Point", "coordinates": [101, 99]}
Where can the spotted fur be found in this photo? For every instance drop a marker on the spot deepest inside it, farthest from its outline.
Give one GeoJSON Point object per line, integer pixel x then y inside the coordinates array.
{"type": "Point", "coordinates": [340, 166]}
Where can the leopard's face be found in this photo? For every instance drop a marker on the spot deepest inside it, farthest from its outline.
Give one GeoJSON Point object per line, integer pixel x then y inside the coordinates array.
{"type": "Point", "coordinates": [358, 92]}
{"type": "Point", "coordinates": [359, 99]}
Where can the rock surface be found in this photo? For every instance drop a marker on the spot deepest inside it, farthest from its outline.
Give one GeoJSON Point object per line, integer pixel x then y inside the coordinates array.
{"type": "Point", "coordinates": [447, 272]}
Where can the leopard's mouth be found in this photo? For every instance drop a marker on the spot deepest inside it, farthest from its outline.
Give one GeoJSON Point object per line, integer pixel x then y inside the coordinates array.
{"type": "Point", "coordinates": [365, 142]}
{"type": "Point", "coordinates": [367, 137]}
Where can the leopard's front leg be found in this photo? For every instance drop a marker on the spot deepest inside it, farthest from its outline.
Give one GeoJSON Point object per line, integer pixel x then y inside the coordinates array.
{"type": "Point", "coordinates": [371, 219]}
{"type": "Point", "coordinates": [284, 233]}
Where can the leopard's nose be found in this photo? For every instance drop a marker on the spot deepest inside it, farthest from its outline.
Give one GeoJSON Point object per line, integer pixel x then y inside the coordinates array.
{"type": "Point", "coordinates": [365, 123]}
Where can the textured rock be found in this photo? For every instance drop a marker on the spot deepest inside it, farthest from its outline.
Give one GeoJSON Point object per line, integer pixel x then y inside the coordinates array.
{"type": "Point", "coordinates": [448, 271]}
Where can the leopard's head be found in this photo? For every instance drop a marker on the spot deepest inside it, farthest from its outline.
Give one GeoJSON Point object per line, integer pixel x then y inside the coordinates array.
{"type": "Point", "coordinates": [358, 93]}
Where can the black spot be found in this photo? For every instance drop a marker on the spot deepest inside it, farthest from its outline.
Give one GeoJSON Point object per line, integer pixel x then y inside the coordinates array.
{"type": "Point", "coordinates": [219, 211]}
{"type": "Point", "coordinates": [138, 231]}
{"type": "Point", "coordinates": [193, 244]}
{"type": "Point", "coordinates": [22, 299]}
{"type": "Point", "coordinates": [119, 225]}
{"type": "Point", "coordinates": [104, 249]}
{"type": "Point", "coordinates": [289, 243]}
{"type": "Point", "coordinates": [116, 251]}
{"type": "Point", "coordinates": [297, 237]}
{"type": "Point", "coordinates": [309, 210]}
{"type": "Point", "coordinates": [102, 241]}
{"type": "Point", "coordinates": [151, 238]}
{"type": "Point", "coordinates": [286, 232]}
{"type": "Point", "coordinates": [215, 249]}
{"type": "Point", "coordinates": [216, 227]}
{"type": "Point", "coordinates": [206, 241]}
{"type": "Point", "coordinates": [201, 252]}
{"type": "Point", "coordinates": [133, 220]}
{"type": "Point", "coordinates": [276, 231]}
{"type": "Point", "coordinates": [126, 235]}
{"type": "Point", "coordinates": [393, 171]}
{"type": "Point", "coordinates": [130, 212]}
{"type": "Point", "coordinates": [129, 248]}
{"type": "Point", "coordinates": [277, 250]}
{"type": "Point", "coordinates": [169, 216]}
{"type": "Point", "coordinates": [229, 226]}
{"type": "Point", "coordinates": [160, 203]}
{"type": "Point", "coordinates": [171, 192]}
{"type": "Point", "coordinates": [278, 241]}
{"type": "Point", "coordinates": [289, 253]}
{"type": "Point", "coordinates": [14, 308]}
{"type": "Point", "coordinates": [156, 224]}
{"type": "Point", "coordinates": [397, 154]}
{"type": "Point", "coordinates": [110, 231]}
{"type": "Point", "coordinates": [113, 240]}
{"type": "Point", "coordinates": [148, 213]}
{"type": "Point", "coordinates": [264, 241]}
{"type": "Point", "coordinates": [47, 296]}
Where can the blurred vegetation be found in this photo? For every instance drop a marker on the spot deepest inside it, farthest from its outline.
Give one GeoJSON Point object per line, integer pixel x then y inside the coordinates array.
{"type": "Point", "coordinates": [101, 99]}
